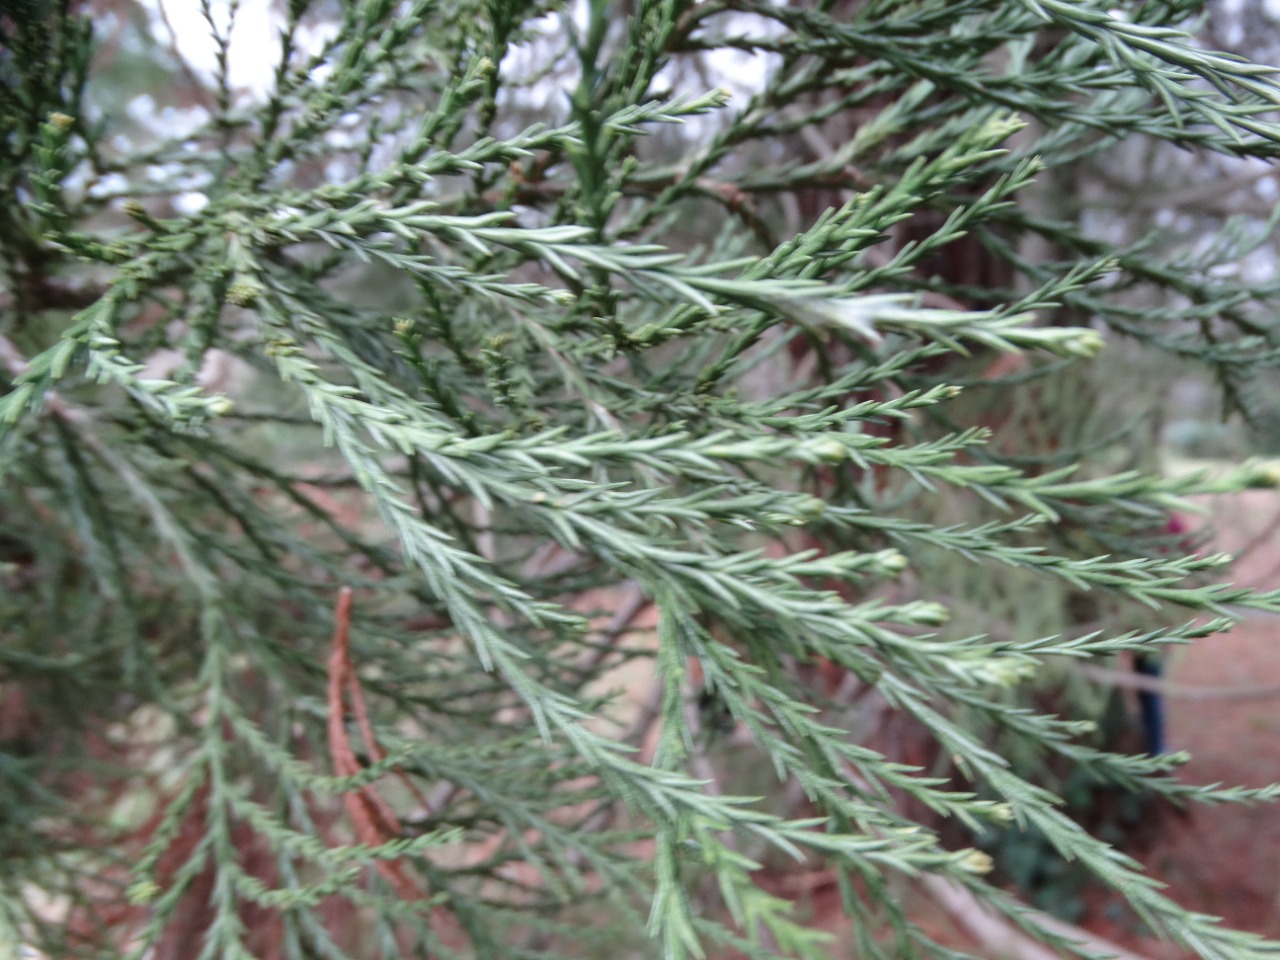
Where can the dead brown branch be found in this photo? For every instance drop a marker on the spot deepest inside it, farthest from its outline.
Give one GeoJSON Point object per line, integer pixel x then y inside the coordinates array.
{"type": "Point", "coordinates": [375, 822]}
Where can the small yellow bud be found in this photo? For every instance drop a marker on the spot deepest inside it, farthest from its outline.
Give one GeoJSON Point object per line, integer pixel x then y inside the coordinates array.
{"type": "Point", "coordinates": [892, 562]}
{"type": "Point", "coordinates": [1266, 474]}
{"type": "Point", "coordinates": [244, 292]}
{"type": "Point", "coordinates": [975, 861]}
{"type": "Point", "coordinates": [1086, 344]}
{"type": "Point", "coordinates": [929, 614]}
{"type": "Point", "coordinates": [62, 122]}
{"type": "Point", "coordinates": [1000, 813]}
{"type": "Point", "coordinates": [829, 449]}
{"type": "Point", "coordinates": [810, 508]}
{"type": "Point", "coordinates": [1005, 673]}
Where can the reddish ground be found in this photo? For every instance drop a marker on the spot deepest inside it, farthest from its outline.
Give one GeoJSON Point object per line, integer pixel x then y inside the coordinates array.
{"type": "Point", "coordinates": [1225, 860]}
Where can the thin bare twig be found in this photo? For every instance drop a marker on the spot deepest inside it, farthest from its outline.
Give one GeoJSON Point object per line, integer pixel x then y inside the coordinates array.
{"type": "Point", "coordinates": [1181, 691]}
{"type": "Point", "coordinates": [630, 604]}
{"type": "Point", "coordinates": [1001, 937]}
{"type": "Point", "coordinates": [374, 820]}
{"type": "Point", "coordinates": [1264, 537]}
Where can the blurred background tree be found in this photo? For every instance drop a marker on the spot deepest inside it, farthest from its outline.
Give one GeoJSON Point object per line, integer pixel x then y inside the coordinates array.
{"type": "Point", "coordinates": [514, 479]}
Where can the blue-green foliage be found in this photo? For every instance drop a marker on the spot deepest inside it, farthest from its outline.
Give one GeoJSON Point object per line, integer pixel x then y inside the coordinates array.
{"type": "Point", "coordinates": [503, 375]}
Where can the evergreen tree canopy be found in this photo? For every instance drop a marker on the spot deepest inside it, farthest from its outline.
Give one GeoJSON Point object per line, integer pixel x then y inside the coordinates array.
{"type": "Point", "coordinates": [350, 433]}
